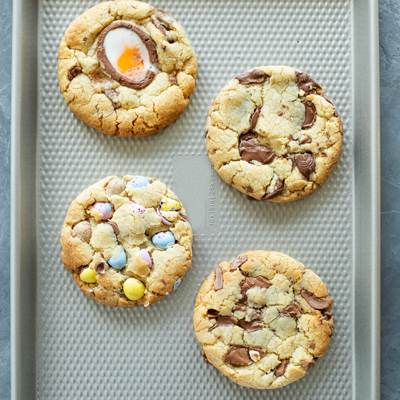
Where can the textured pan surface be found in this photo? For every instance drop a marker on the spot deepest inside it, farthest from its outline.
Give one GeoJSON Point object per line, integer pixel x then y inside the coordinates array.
{"type": "Point", "coordinates": [86, 350]}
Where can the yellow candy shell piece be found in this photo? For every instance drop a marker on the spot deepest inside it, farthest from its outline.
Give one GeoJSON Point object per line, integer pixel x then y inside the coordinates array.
{"type": "Point", "coordinates": [88, 275]}
{"type": "Point", "coordinates": [133, 289]}
{"type": "Point", "coordinates": [171, 205]}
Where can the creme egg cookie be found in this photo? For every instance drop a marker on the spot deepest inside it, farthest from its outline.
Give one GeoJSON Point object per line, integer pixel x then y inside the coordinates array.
{"type": "Point", "coordinates": [126, 68]}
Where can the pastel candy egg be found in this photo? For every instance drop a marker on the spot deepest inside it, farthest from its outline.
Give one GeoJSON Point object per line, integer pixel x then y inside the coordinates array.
{"type": "Point", "coordinates": [170, 205]}
{"type": "Point", "coordinates": [115, 186]}
{"type": "Point", "coordinates": [138, 182]}
{"type": "Point", "coordinates": [119, 261]}
{"type": "Point", "coordinates": [146, 257]}
{"type": "Point", "coordinates": [88, 275]}
{"type": "Point", "coordinates": [133, 289]}
{"type": "Point", "coordinates": [137, 207]}
{"type": "Point", "coordinates": [163, 239]}
{"type": "Point", "coordinates": [83, 230]}
{"type": "Point", "coordinates": [103, 208]}
{"type": "Point", "coordinates": [177, 283]}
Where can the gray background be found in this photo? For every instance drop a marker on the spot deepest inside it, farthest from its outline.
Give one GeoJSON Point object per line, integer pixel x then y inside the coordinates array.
{"type": "Point", "coordinates": [390, 121]}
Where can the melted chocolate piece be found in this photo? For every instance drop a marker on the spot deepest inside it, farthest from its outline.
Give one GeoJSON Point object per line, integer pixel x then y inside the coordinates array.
{"type": "Point", "coordinates": [212, 314]}
{"type": "Point", "coordinates": [314, 301]}
{"type": "Point", "coordinates": [278, 189]}
{"type": "Point", "coordinates": [237, 262]}
{"type": "Point", "coordinates": [249, 283]}
{"type": "Point", "coordinates": [117, 76]}
{"type": "Point", "coordinates": [306, 83]}
{"type": "Point", "coordinates": [307, 364]}
{"type": "Point", "coordinates": [252, 326]}
{"type": "Point", "coordinates": [114, 226]}
{"type": "Point", "coordinates": [160, 22]}
{"type": "Point", "coordinates": [310, 115]}
{"type": "Point", "coordinates": [305, 163]}
{"type": "Point", "coordinates": [254, 117]}
{"type": "Point", "coordinates": [238, 308]}
{"type": "Point", "coordinates": [173, 80]}
{"type": "Point", "coordinates": [312, 346]}
{"type": "Point", "coordinates": [306, 140]}
{"type": "Point", "coordinates": [205, 357]}
{"type": "Point", "coordinates": [281, 369]}
{"type": "Point", "coordinates": [323, 154]}
{"type": "Point", "coordinates": [249, 150]}
{"type": "Point", "coordinates": [323, 95]}
{"type": "Point", "coordinates": [293, 309]}
{"type": "Point", "coordinates": [219, 282]}
{"type": "Point", "coordinates": [238, 356]}
{"type": "Point", "coordinates": [250, 198]}
{"type": "Point", "coordinates": [254, 76]}
{"type": "Point", "coordinates": [224, 321]}
{"type": "Point", "coordinates": [100, 267]}
{"type": "Point", "coordinates": [74, 72]}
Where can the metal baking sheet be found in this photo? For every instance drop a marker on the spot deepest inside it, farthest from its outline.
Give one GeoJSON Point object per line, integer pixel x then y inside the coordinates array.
{"type": "Point", "coordinates": [65, 346]}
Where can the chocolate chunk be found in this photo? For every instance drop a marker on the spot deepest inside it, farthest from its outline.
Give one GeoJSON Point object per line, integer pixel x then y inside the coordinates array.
{"type": "Point", "coordinates": [238, 356]}
{"type": "Point", "coordinates": [278, 189]}
{"type": "Point", "coordinates": [212, 314]}
{"type": "Point", "coordinates": [254, 117]}
{"type": "Point", "coordinates": [100, 267]}
{"type": "Point", "coordinates": [252, 326]}
{"type": "Point", "coordinates": [237, 262]}
{"type": "Point", "coordinates": [323, 154]}
{"type": "Point", "coordinates": [238, 308]}
{"type": "Point", "coordinates": [117, 76]}
{"type": "Point", "coordinates": [281, 369]}
{"type": "Point", "coordinates": [182, 216]}
{"type": "Point", "coordinates": [250, 198]}
{"type": "Point", "coordinates": [112, 95]}
{"type": "Point", "coordinates": [307, 139]}
{"type": "Point", "coordinates": [254, 76]}
{"type": "Point", "coordinates": [219, 282]}
{"type": "Point", "coordinates": [206, 133]}
{"type": "Point", "coordinates": [310, 115]}
{"type": "Point", "coordinates": [205, 357]}
{"type": "Point", "coordinates": [305, 163]}
{"type": "Point", "coordinates": [114, 226]}
{"type": "Point", "coordinates": [293, 309]}
{"type": "Point", "coordinates": [249, 150]}
{"type": "Point", "coordinates": [307, 364]}
{"type": "Point", "coordinates": [224, 321]}
{"type": "Point", "coordinates": [74, 72]}
{"type": "Point", "coordinates": [259, 281]}
{"type": "Point", "coordinates": [173, 80]}
{"type": "Point", "coordinates": [160, 22]}
{"type": "Point", "coordinates": [314, 301]}
{"type": "Point", "coordinates": [306, 83]}
{"type": "Point", "coordinates": [312, 346]}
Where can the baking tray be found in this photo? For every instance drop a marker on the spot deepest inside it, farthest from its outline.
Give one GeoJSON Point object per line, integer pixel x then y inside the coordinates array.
{"type": "Point", "coordinates": [65, 346]}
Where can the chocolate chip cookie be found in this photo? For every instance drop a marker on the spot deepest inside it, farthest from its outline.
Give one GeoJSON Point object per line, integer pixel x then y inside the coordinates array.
{"type": "Point", "coordinates": [263, 319]}
{"type": "Point", "coordinates": [126, 68]}
{"type": "Point", "coordinates": [127, 241]}
{"type": "Point", "coordinates": [274, 134]}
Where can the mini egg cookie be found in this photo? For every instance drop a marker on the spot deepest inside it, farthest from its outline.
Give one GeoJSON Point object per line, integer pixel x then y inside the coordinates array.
{"type": "Point", "coordinates": [273, 134]}
{"type": "Point", "coordinates": [127, 241]}
{"type": "Point", "coordinates": [263, 319]}
{"type": "Point", "coordinates": [126, 68]}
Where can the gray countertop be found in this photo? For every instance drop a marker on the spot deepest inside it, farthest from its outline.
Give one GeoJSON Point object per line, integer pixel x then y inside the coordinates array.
{"type": "Point", "coordinates": [389, 13]}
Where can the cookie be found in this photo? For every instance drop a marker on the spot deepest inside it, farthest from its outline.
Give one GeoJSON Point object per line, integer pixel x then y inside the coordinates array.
{"type": "Point", "coordinates": [273, 134]}
{"type": "Point", "coordinates": [126, 68]}
{"type": "Point", "coordinates": [127, 241]}
{"type": "Point", "coordinates": [263, 319]}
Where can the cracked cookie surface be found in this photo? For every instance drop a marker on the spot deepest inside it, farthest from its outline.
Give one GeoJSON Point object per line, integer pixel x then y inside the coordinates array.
{"type": "Point", "coordinates": [127, 241]}
{"type": "Point", "coordinates": [98, 83]}
{"type": "Point", "coordinates": [273, 134]}
{"type": "Point", "coordinates": [263, 319]}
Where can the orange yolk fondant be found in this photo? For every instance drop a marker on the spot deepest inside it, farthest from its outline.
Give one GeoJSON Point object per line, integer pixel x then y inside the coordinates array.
{"type": "Point", "coordinates": [130, 61]}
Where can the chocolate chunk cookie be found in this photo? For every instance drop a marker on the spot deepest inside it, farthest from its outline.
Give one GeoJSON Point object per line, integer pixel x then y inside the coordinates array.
{"type": "Point", "coordinates": [126, 68]}
{"type": "Point", "coordinates": [263, 319]}
{"type": "Point", "coordinates": [127, 241]}
{"type": "Point", "coordinates": [273, 134]}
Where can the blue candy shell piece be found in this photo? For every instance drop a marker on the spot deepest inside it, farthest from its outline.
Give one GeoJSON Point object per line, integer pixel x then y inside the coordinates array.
{"type": "Point", "coordinates": [163, 239]}
{"type": "Point", "coordinates": [119, 261]}
{"type": "Point", "coordinates": [138, 182]}
{"type": "Point", "coordinates": [177, 283]}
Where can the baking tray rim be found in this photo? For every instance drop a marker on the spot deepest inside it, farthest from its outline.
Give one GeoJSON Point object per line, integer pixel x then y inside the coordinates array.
{"type": "Point", "coordinates": [366, 312]}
